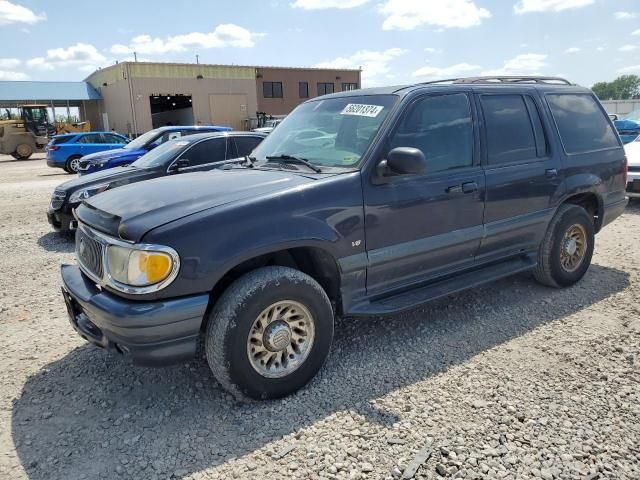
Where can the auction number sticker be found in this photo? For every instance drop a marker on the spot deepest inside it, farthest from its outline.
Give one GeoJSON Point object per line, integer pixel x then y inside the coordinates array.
{"type": "Point", "coordinates": [362, 110]}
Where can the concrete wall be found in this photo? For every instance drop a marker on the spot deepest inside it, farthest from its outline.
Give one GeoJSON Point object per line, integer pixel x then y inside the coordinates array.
{"type": "Point", "coordinates": [621, 107]}
{"type": "Point", "coordinates": [290, 78]}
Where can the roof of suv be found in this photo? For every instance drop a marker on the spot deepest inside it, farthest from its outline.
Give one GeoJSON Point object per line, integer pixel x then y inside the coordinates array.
{"type": "Point", "coordinates": [546, 83]}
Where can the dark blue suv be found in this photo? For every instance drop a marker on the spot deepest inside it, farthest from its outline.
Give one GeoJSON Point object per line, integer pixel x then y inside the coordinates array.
{"type": "Point", "coordinates": [366, 202]}
{"type": "Point", "coordinates": [138, 147]}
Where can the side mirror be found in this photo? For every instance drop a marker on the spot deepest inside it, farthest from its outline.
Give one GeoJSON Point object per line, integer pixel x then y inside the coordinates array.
{"type": "Point", "coordinates": [180, 164]}
{"type": "Point", "coordinates": [403, 161]}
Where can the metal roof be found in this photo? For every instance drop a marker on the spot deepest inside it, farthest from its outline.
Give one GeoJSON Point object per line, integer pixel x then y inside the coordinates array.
{"type": "Point", "coordinates": [28, 91]}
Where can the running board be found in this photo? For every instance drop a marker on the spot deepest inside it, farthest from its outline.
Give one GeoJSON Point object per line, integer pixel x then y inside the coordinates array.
{"type": "Point", "coordinates": [409, 299]}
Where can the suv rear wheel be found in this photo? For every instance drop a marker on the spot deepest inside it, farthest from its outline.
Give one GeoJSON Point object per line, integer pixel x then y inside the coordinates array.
{"type": "Point", "coordinates": [566, 251]}
{"type": "Point", "coordinates": [269, 333]}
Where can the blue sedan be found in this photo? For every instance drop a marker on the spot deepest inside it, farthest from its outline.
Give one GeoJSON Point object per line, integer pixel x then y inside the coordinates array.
{"type": "Point", "coordinates": [628, 127]}
{"type": "Point", "coordinates": [65, 151]}
{"type": "Point", "coordinates": [138, 147]}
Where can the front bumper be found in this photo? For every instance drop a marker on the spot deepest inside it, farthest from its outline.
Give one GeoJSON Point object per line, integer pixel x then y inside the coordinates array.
{"type": "Point", "coordinates": [61, 220]}
{"type": "Point", "coordinates": [155, 333]}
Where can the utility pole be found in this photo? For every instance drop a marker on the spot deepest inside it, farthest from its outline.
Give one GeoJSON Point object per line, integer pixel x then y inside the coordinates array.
{"type": "Point", "coordinates": [135, 57]}
{"type": "Point", "coordinates": [197, 59]}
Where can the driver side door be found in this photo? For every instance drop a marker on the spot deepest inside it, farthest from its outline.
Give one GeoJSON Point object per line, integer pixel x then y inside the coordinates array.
{"type": "Point", "coordinates": [422, 226]}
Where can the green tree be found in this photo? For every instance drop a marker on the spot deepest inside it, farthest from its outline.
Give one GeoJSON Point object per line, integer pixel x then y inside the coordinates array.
{"type": "Point", "coordinates": [622, 88]}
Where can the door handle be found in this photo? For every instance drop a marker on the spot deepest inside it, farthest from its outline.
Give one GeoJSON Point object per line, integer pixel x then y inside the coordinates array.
{"type": "Point", "coordinates": [551, 172]}
{"type": "Point", "coordinates": [469, 187]}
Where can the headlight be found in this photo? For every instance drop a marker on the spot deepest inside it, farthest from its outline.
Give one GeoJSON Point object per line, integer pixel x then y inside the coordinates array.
{"type": "Point", "coordinates": [85, 193]}
{"type": "Point", "coordinates": [140, 268]}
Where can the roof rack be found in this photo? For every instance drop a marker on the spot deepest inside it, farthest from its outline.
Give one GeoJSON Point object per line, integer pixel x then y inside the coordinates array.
{"type": "Point", "coordinates": [505, 80]}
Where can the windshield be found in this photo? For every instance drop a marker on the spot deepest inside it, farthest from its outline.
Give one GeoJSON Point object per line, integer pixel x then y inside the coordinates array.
{"type": "Point", "coordinates": [635, 115]}
{"type": "Point", "coordinates": [161, 155]}
{"type": "Point", "coordinates": [141, 141]}
{"type": "Point", "coordinates": [333, 132]}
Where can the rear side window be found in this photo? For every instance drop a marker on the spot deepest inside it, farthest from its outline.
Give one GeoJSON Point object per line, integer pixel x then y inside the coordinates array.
{"type": "Point", "coordinates": [583, 126]}
{"type": "Point", "coordinates": [91, 138]}
{"type": "Point", "coordinates": [441, 128]}
{"type": "Point", "coordinates": [245, 145]}
{"type": "Point", "coordinates": [509, 132]}
{"type": "Point", "coordinates": [60, 140]}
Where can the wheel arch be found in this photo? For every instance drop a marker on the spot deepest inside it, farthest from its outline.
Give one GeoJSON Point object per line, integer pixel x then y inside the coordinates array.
{"type": "Point", "coordinates": [591, 202]}
{"type": "Point", "coordinates": [314, 260]}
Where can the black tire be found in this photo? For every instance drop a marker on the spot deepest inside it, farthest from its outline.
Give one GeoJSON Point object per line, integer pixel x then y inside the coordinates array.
{"type": "Point", "coordinates": [231, 321]}
{"type": "Point", "coordinates": [68, 166]}
{"type": "Point", "coordinates": [550, 270]}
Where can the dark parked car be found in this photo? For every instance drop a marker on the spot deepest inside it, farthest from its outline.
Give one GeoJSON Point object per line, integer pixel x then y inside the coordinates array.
{"type": "Point", "coordinates": [138, 147]}
{"type": "Point", "coordinates": [367, 202]}
{"type": "Point", "coordinates": [202, 151]}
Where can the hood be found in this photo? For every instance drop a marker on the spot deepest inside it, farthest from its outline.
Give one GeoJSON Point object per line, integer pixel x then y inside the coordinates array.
{"type": "Point", "coordinates": [633, 153]}
{"type": "Point", "coordinates": [117, 152]}
{"type": "Point", "coordinates": [131, 211]}
{"type": "Point", "coordinates": [115, 174]}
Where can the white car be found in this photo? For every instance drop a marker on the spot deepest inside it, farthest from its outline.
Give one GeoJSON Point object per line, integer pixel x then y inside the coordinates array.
{"type": "Point", "coordinates": [632, 150]}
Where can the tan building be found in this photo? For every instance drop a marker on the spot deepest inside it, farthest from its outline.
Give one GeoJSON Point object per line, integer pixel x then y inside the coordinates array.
{"type": "Point", "coordinates": [139, 96]}
{"type": "Point", "coordinates": [280, 90]}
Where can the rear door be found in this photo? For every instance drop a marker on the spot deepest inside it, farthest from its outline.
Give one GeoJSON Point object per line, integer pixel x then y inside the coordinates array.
{"type": "Point", "coordinates": [523, 172]}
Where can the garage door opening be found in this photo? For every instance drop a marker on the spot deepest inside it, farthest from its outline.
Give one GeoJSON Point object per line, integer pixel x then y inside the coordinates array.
{"type": "Point", "coordinates": [169, 109]}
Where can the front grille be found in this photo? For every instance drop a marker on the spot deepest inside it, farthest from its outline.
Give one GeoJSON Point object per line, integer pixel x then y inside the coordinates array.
{"type": "Point", "coordinates": [89, 252]}
{"type": "Point", "coordinates": [57, 199]}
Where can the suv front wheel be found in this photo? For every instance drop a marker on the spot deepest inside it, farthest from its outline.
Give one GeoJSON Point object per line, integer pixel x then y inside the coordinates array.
{"type": "Point", "coordinates": [269, 333]}
{"type": "Point", "coordinates": [565, 253]}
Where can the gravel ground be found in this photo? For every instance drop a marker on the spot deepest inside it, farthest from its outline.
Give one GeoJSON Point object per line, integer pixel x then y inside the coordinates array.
{"type": "Point", "coordinates": [512, 380]}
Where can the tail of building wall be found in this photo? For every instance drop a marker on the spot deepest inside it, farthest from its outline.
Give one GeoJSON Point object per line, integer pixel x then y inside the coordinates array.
{"type": "Point", "coordinates": [621, 107]}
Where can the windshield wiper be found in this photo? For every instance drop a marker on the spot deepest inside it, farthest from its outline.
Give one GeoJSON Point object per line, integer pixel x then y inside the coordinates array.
{"type": "Point", "coordinates": [284, 158]}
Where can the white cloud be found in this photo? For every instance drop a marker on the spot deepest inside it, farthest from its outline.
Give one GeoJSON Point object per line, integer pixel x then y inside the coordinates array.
{"type": "Point", "coordinates": [600, 49]}
{"type": "Point", "coordinates": [628, 48]}
{"type": "Point", "coordinates": [525, 64]}
{"type": "Point", "coordinates": [636, 32]}
{"type": "Point", "coordinates": [8, 75]}
{"type": "Point", "coordinates": [529, 6]}
{"type": "Point", "coordinates": [631, 69]}
{"type": "Point", "coordinates": [446, 72]}
{"type": "Point", "coordinates": [324, 4]}
{"type": "Point", "coordinates": [9, 63]}
{"type": "Point", "coordinates": [78, 55]}
{"type": "Point", "coordinates": [12, 13]}
{"type": "Point", "coordinates": [409, 14]}
{"type": "Point", "coordinates": [625, 15]}
{"type": "Point", "coordinates": [374, 64]}
{"type": "Point", "coordinates": [432, 50]}
{"type": "Point", "coordinates": [224, 35]}
{"type": "Point", "coordinates": [572, 50]}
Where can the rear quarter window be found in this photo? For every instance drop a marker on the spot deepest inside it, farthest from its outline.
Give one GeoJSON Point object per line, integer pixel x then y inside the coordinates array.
{"type": "Point", "coordinates": [582, 124]}
{"type": "Point", "coordinates": [61, 140]}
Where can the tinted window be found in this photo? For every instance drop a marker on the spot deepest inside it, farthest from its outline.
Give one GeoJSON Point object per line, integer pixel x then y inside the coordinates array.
{"type": "Point", "coordinates": [245, 145]}
{"type": "Point", "coordinates": [163, 155]}
{"type": "Point", "coordinates": [165, 137]}
{"type": "Point", "coordinates": [442, 128]}
{"type": "Point", "coordinates": [272, 89]}
{"type": "Point", "coordinates": [207, 151]}
{"type": "Point", "coordinates": [92, 138]}
{"type": "Point", "coordinates": [325, 88]}
{"type": "Point", "coordinates": [113, 139]}
{"type": "Point", "coordinates": [542, 145]}
{"type": "Point", "coordinates": [582, 124]}
{"type": "Point", "coordinates": [509, 134]}
{"type": "Point", "coordinates": [60, 140]}
{"type": "Point", "coordinates": [303, 89]}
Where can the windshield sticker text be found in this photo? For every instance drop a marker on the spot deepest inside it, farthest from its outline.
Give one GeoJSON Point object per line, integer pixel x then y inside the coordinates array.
{"type": "Point", "coordinates": [361, 110]}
